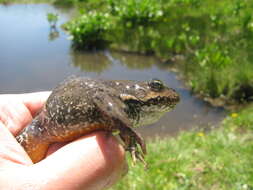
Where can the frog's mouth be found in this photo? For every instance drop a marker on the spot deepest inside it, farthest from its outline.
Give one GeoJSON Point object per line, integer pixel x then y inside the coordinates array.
{"type": "Point", "coordinates": [150, 115]}
{"type": "Point", "coordinates": [156, 106]}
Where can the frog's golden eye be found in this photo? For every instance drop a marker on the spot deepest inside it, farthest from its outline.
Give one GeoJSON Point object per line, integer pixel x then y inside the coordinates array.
{"type": "Point", "coordinates": [156, 85]}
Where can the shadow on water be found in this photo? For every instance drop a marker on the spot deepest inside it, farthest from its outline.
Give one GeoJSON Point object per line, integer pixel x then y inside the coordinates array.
{"type": "Point", "coordinates": [31, 61]}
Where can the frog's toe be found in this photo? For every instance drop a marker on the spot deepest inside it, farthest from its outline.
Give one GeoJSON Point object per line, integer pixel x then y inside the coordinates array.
{"type": "Point", "coordinates": [136, 155]}
{"type": "Point", "coordinates": [134, 144]}
{"type": "Point", "coordinates": [141, 142]}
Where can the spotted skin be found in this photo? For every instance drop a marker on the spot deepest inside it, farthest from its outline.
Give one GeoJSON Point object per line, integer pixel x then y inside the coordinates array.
{"type": "Point", "coordinates": [78, 106]}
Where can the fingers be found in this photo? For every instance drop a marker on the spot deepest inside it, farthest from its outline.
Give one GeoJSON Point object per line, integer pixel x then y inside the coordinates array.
{"type": "Point", "coordinates": [95, 161]}
{"type": "Point", "coordinates": [35, 101]}
{"type": "Point", "coordinates": [92, 162]}
{"type": "Point", "coordinates": [14, 115]}
{"type": "Point", "coordinates": [17, 110]}
{"type": "Point", "coordinates": [10, 150]}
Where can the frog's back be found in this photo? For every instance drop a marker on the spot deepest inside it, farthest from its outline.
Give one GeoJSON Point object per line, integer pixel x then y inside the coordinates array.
{"type": "Point", "coordinates": [68, 113]}
{"type": "Point", "coordinates": [78, 106]}
{"type": "Point", "coordinates": [72, 102]}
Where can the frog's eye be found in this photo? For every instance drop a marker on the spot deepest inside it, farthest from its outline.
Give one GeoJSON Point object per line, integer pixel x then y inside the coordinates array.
{"type": "Point", "coordinates": [156, 85]}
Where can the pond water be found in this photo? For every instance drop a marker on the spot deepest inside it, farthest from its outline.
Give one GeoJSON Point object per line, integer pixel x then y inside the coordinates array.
{"type": "Point", "coordinates": [35, 58]}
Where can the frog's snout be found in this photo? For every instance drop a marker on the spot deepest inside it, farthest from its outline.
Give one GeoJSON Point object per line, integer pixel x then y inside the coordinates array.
{"type": "Point", "coordinates": [174, 96]}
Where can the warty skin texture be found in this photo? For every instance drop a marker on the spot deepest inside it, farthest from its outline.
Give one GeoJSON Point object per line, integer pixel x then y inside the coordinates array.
{"type": "Point", "coordinates": [79, 106]}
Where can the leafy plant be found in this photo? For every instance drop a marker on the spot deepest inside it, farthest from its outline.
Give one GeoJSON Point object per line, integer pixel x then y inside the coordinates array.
{"type": "Point", "coordinates": [65, 3]}
{"type": "Point", "coordinates": [214, 39]}
{"type": "Point", "coordinates": [90, 30]}
{"type": "Point", "coordinates": [134, 12]}
{"type": "Point", "coordinates": [52, 18]}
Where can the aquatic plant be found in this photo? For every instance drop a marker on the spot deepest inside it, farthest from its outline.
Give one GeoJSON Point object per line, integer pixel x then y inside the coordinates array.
{"type": "Point", "coordinates": [52, 19]}
{"type": "Point", "coordinates": [90, 30]}
{"type": "Point", "coordinates": [65, 3]}
{"type": "Point", "coordinates": [5, 2]}
{"type": "Point", "coordinates": [214, 39]}
{"type": "Point", "coordinates": [138, 12]}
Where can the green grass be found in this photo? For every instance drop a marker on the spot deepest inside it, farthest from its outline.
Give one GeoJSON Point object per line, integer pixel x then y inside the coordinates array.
{"type": "Point", "coordinates": [215, 40]}
{"type": "Point", "coordinates": [217, 160]}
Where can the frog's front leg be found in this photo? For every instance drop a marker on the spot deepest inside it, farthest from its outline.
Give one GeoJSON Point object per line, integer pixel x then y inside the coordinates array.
{"type": "Point", "coordinates": [114, 110]}
{"type": "Point", "coordinates": [131, 140]}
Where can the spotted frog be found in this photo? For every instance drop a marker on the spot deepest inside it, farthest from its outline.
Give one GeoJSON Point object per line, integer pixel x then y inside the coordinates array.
{"type": "Point", "coordinates": [79, 106]}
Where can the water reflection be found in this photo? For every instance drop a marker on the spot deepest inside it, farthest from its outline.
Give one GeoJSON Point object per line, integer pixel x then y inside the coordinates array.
{"type": "Point", "coordinates": [90, 61]}
{"type": "Point", "coordinates": [144, 39]}
{"type": "Point", "coordinates": [171, 36]}
{"type": "Point", "coordinates": [100, 61]}
{"type": "Point", "coordinates": [53, 34]}
{"type": "Point", "coordinates": [134, 61]}
{"type": "Point", "coordinates": [30, 63]}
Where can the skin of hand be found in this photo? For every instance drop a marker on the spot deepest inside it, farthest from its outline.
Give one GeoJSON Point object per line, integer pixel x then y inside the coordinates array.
{"type": "Point", "coordinates": [94, 161]}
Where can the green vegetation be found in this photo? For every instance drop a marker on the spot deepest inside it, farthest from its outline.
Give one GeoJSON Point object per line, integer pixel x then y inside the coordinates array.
{"type": "Point", "coordinates": [52, 18]}
{"type": "Point", "coordinates": [134, 12]}
{"type": "Point", "coordinates": [211, 45]}
{"type": "Point", "coordinates": [219, 160]}
{"type": "Point", "coordinates": [90, 30]}
{"type": "Point", "coordinates": [213, 40]}
{"type": "Point", "coordinates": [4, 1]}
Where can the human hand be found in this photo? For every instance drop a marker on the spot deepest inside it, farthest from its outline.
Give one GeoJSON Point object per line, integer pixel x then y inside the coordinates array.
{"type": "Point", "coordinates": [94, 161]}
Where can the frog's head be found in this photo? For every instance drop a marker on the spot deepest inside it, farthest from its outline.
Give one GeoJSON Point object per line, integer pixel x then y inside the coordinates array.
{"type": "Point", "coordinates": [148, 101]}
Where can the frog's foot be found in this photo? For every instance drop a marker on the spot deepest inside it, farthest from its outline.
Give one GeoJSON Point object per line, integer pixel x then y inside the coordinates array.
{"type": "Point", "coordinates": [131, 140]}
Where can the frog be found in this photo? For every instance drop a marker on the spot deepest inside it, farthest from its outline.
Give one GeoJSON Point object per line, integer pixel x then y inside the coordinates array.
{"type": "Point", "coordinates": [81, 105]}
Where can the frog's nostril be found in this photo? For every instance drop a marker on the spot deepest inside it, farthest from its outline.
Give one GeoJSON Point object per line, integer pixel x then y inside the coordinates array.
{"type": "Point", "coordinates": [174, 96]}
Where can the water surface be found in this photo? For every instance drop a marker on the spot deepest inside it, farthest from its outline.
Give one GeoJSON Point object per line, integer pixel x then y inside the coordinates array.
{"type": "Point", "coordinates": [35, 58]}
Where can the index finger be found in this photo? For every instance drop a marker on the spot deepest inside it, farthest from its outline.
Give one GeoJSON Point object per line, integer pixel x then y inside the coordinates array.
{"type": "Point", "coordinates": [17, 110]}
{"type": "Point", "coordinates": [35, 101]}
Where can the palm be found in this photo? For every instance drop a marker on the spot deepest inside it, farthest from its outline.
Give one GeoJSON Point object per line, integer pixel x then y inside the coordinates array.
{"type": "Point", "coordinates": [94, 161]}
{"type": "Point", "coordinates": [15, 114]}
